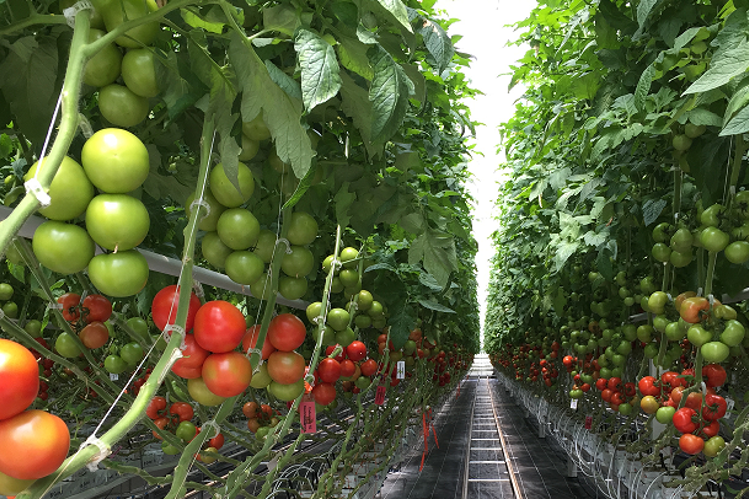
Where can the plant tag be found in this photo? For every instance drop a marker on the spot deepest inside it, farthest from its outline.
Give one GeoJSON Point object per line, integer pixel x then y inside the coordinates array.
{"type": "Point", "coordinates": [307, 417]}
{"type": "Point", "coordinates": [573, 404]}
{"type": "Point", "coordinates": [588, 422]}
{"type": "Point", "coordinates": [380, 395]}
{"type": "Point", "coordinates": [113, 376]}
{"type": "Point", "coordinates": [401, 373]}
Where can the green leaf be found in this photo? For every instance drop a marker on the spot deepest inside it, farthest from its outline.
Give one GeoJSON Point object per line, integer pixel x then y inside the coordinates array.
{"type": "Point", "coordinates": [437, 43]}
{"type": "Point", "coordinates": [286, 82]}
{"type": "Point", "coordinates": [193, 19]}
{"type": "Point", "coordinates": [381, 266]}
{"type": "Point", "coordinates": [28, 83]}
{"type": "Point", "coordinates": [402, 320]}
{"type": "Point", "coordinates": [652, 209]}
{"type": "Point", "coordinates": [356, 105]}
{"type": "Point", "coordinates": [701, 116]}
{"type": "Point", "coordinates": [388, 93]}
{"type": "Point", "coordinates": [739, 100]}
{"type": "Point", "coordinates": [738, 124]}
{"type": "Point", "coordinates": [346, 12]}
{"type": "Point", "coordinates": [282, 18]}
{"type": "Point", "coordinates": [724, 66]}
{"type": "Point", "coordinates": [281, 113]}
{"type": "Point", "coordinates": [681, 41]}
{"type": "Point", "coordinates": [321, 78]}
{"type": "Point", "coordinates": [353, 56]}
{"type": "Point", "coordinates": [643, 10]}
{"type": "Point", "coordinates": [398, 9]}
{"type": "Point", "coordinates": [563, 253]}
{"type": "Point", "coordinates": [433, 305]}
{"type": "Point", "coordinates": [643, 87]}
{"type": "Point", "coordinates": [436, 250]}
{"type": "Point", "coordinates": [301, 188]}
{"type": "Point", "coordinates": [343, 201]}
{"type": "Point", "coordinates": [412, 222]}
{"type": "Point", "coordinates": [429, 281]}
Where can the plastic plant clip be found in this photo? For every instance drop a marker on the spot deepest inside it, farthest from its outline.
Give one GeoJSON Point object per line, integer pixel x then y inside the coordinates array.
{"type": "Point", "coordinates": [104, 451]}
{"type": "Point", "coordinates": [176, 329]}
{"type": "Point", "coordinates": [2, 314]}
{"type": "Point", "coordinates": [286, 242]}
{"type": "Point", "coordinates": [85, 126]}
{"type": "Point", "coordinates": [204, 204]}
{"type": "Point", "coordinates": [34, 187]}
{"type": "Point", "coordinates": [176, 355]}
{"type": "Point", "coordinates": [54, 306]}
{"type": "Point", "coordinates": [212, 424]}
{"type": "Point", "coordinates": [74, 9]}
{"type": "Point", "coordinates": [198, 289]}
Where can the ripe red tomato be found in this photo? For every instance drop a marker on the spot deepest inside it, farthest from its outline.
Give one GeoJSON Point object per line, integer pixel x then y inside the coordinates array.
{"type": "Point", "coordinates": [94, 335]}
{"type": "Point", "coordinates": [249, 409]}
{"type": "Point", "coordinates": [217, 442]}
{"type": "Point", "coordinates": [286, 332]}
{"type": "Point", "coordinates": [42, 437]}
{"type": "Point", "coordinates": [714, 374]}
{"type": "Point", "coordinates": [356, 351]}
{"type": "Point", "coordinates": [694, 401]}
{"type": "Point", "coordinates": [691, 444]}
{"type": "Point", "coordinates": [602, 383]}
{"type": "Point", "coordinates": [606, 394]}
{"type": "Point", "coordinates": [711, 430]}
{"type": "Point", "coordinates": [683, 420]}
{"type": "Point", "coordinates": [20, 378]}
{"type": "Point", "coordinates": [368, 367]}
{"type": "Point", "coordinates": [338, 357]}
{"type": "Point", "coordinates": [219, 326]}
{"type": "Point", "coordinates": [161, 424]}
{"type": "Point", "coordinates": [671, 379]}
{"type": "Point", "coordinates": [329, 370]}
{"type": "Point", "coordinates": [183, 410]}
{"type": "Point", "coordinates": [324, 393]}
{"type": "Point", "coordinates": [249, 341]}
{"type": "Point", "coordinates": [191, 363]}
{"type": "Point", "coordinates": [70, 310]}
{"type": "Point", "coordinates": [227, 374]}
{"type": "Point", "coordinates": [286, 367]}
{"type": "Point", "coordinates": [96, 308]}
{"type": "Point", "coordinates": [164, 308]}
{"type": "Point", "coordinates": [615, 384]}
{"type": "Point", "coordinates": [715, 407]}
{"type": "Point", "coordinates": [156, 405]}
{"type": "Point", "coordinates": [348, 368]}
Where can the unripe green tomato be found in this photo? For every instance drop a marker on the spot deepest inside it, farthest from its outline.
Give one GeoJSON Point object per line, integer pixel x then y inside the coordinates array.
{"type": "Point", "coordinates": [139, 72]}
{"type": "Point", "coordinates": [714, 239]}
{"type": "Point", "coordinates": [715, 351]}
{"type": "Point", "coordinates": [737, 252]}
{"type": "Point", "coordinates": [104, 67]}
{"type": "Point", "coordinates": [121, 107]}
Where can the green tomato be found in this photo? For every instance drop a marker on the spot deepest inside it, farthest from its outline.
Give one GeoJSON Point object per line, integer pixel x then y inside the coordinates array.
{"type": "Point", "coordinates": [711, 216]}
{"type": "Point", "coordinates": [214, 250]}
{"type": "Point", "coordinates": [362, 321]}
{"type": "Point", "coordinates": [651, 350]}
{"type": "Point", "coordinates": [104, 67]}
{"type": "Point", "coordinates": [261, 379]}
{"type": "Point", "coordinates": [67, 346]}
{"type": "Point", "coordinates": [349, 277]}
{"type": "Point", "coordinates": [645, 333]}
{"type": "Point", "coordinates": [121, 107]}
{"type": "Point", "coordinates": [737, 252]}
{"type": "Point", "coordinates": [132, 353]}
{"type": "Point", "coordinates": [116, 12]}
{"type": "Point", "coordinates": [139, 327]}
{"type": "Point", "coordinates": [681, 142]}
{"type": "Point", "coordinates": [185, 431]}
{"type": "Point", "coordinates": [715, 352]}
{"type": "Point", "coordinates": [262, 289]}
{"type": "Point", "coordinates": [660, 322]}
{"type": "Point", "coordinates": [114, 364]}
{"type": "Point", "coordinates": [70, 190]}
{"type": "Point", "coordinates": [661, 252]}
{"type": "Point", "coordinates": [647, 285]}
{"type": "Point", "coordinates": [665, 414]}
{"type": "Point", "coordinates": [733, 334]}
{"type": "Point", "coordinates": [256, 129]}
{"type": "Point", "coordinates": [139, 72]}
{"type": "Point", "coordinates": [34, 328]}
{"type": "Point", "coordinates": [348, 255]}
{"type": "Point", "coordinates": [624, 348]}
{"type": "Point", "coordinates": [6, 291]}
{"type": "Point", "coordinates": [224, 190]}
{"type": "Point", "coordinates": [292, 288]}
{"type": "Point", "coordinates": [625, 409]}
{"type": "Point", "coordinates": [681, 241]}
{"type": "Point", "coordinates": [302, 229]}
{"type": "Point", "coordinates": [329, 335]}
{"type": "Point", "coordinates": [338, 319]}
{"type": "Point", "coordinates": [200, 393]}
{"type": "Point", "coordinates": [345, 337]}
{"type": "Point", "coordinates": [250, 148]}
{"type": "Point", "coordinates": [714, 239]}
{"type": "Point", "coordinates": [299, 262]}
{"type": "Point", "coordinates": [698, 335]}
{"type": "Point", "coordinates": [681, 260]}
{"type": "Point", "coordinates": [119, 274]}
{"type": "Point", "coordinates": [262, 432]}
{"type": "Point", "coordinates": [10, 309]}
{"type": "Point", "coordinates": [660, 232]}
{"type": "Point", "coordinates": [713, 446]}
{"type": "Point", "coordinates": [62, 247]}
{"type": "Point", "coordinates": [674, 332]}
{"type": "Point", "coordinates": [117, 221]}
{"type": "Point", "coordinates": [363, 382]}
{"type": "Point", "coordinates": [115, 160]}
{"type": "Point", "coordinates": [208, 222]}
{"type": "Point", "coordinates": [244, 267]}
{"type": "Point", "coordinates": [238, 229]}
{"type": "Point", "coordinates": [313, 311]}
{"type": "Point", "coordinates": [169, 449]}
{"type": "Point", "coordinates": [266, 242]}
{"type": "Point", "coordinates": [286, 393]}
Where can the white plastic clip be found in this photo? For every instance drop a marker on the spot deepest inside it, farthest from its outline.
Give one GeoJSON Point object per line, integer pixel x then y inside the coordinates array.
{"type": "Point", "coordinates": [85, 126]}
{"type": "Point", "coordinates": [35, 187]}
{"type": "Point", "coordinates": [198, 290]}
{"type": "Point", "coordinates": [212, 424]}
{"type": "Point", "coordinates": [74, 9]}
{"type": "Point", "coordinates": [711, 299]}
{"type": "Point", "coordinates": [204, 204]}
{"type": "Point", "coordinates": [104, 451]}
{"type": "Point", "coordinates": [704, 389]}
{"type": "Point", "coordinates": [2, 314]}
{"type": "Point", "coordinates": [286, 242]}
{"type": "Point", "coordinates": [176, 355]}
{"type": "Point", "coordinates": [309, 379]}
{"type": "Point", "coordinates": [176, 329]}
{"type": "Point", "coordinates": [54, 306]}
{"type": "Point", "coordinates": [699, 291]}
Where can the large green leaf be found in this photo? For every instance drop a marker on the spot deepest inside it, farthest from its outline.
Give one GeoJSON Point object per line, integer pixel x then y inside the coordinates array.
{"type": "Point", "coordinates": [643, 10]}
{"type": "Point", "coordinates": [356, 105]}
{"type": "Point", "coordinates": [437, 42]}
{"type": "Point", "coordinates": [433, 305]}
{"type": "Point", "coordinates": [281, 113]}
{"type": "Point", "coordinates": [388, 93]}
{"type": "Point", "coordinates": [398, 9]}
{"type": "Point", "coordinates": [436, 250]}
{"type": "Point", "coordinates": [321, 78]}
{"type": "Point", "coordinates": [724, 66]}
{"type": "Point", "coordinates": [353, 56]}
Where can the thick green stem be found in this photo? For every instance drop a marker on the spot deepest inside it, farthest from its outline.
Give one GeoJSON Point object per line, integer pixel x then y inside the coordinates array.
{"type": "Point", "coordinates": [711, 258]}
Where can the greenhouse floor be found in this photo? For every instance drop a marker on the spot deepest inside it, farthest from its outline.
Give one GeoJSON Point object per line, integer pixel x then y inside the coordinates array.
{"type": "Point", "coordinates": [470, 462]}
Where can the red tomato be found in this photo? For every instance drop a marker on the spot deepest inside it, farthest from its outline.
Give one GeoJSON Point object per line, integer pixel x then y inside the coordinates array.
{"type": "Point", "coordinates": [94, 335]}
{"type": "Point", "coordinates": [629, 390]}
{"type": "Point", "coordinates": [348, 368]}
{"type": "Point", "coordinates": [286, 332]}
{"type": "Point", "coordinates": [249, 409]}
{"type": "Point", "coordinates": [606, 394]}
{"type": "Point", "coordinates": [368, 367]}
{"type": "Point", "coordinates": [189, 366]}
{"type": "Point", "coordinates": [356, 351]}
{"type": "Point", "coordinates": [715, 407]}
{"type": "Point", "coordinates": [694, 401]}
{"type": "Point", "coordinates": [161, 424]}
{"type": "Point", "coordinates": [711, 430]}
{"type": "Point", "coordinates": [156, 405]}
{"type": "Point", "coordinates": [568, 360]}
{"type": "Point", "coordinates": [602, 383]}
{"type": "Point", "coordinates": [227, 374]}
{"type": "Point", "coordinates": [714, 375]}
{"type": "Point", "coordinates": [691, 444]}
{"type": "Point", "coordinates": [329, 370]}
{"type": "Point", "coordinates": [219, 326]}
{"type": "Point", "coordinates": [164, 308]}
{"type": "Point", "coordinates": [183, 410]}
{"type": "Point", "coordinates": [338, 357]}
{"type": "Point", "coordinates": [692, 309]}
{"type": "Point", "coordinates": [615, 384]}
{"type": "Point", "coordinates": [249, 340]}
{"type": "Point", "coordinates": [217, 441]}
{"type": "Point", "coordinates": [671, 379]}
{"type": "Point", "coordinates": [286, 367]}
{"type": "Point", "coordinates": [20, 378]}
{"type": "Point", "coordinates": [43, 438]}
{"type": "Point", "coordinates": [324, 393]}
{"type": "Point", "coordinates": [96, 308]}
{"type": "Point", "coordinates": [617, 399]}
{"type": "Point", "coordinates": [647, 386]}
{"type": "Point", "coordinates": [683, 420]}
{"type": "Point", "coordinates": [70, 310]}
